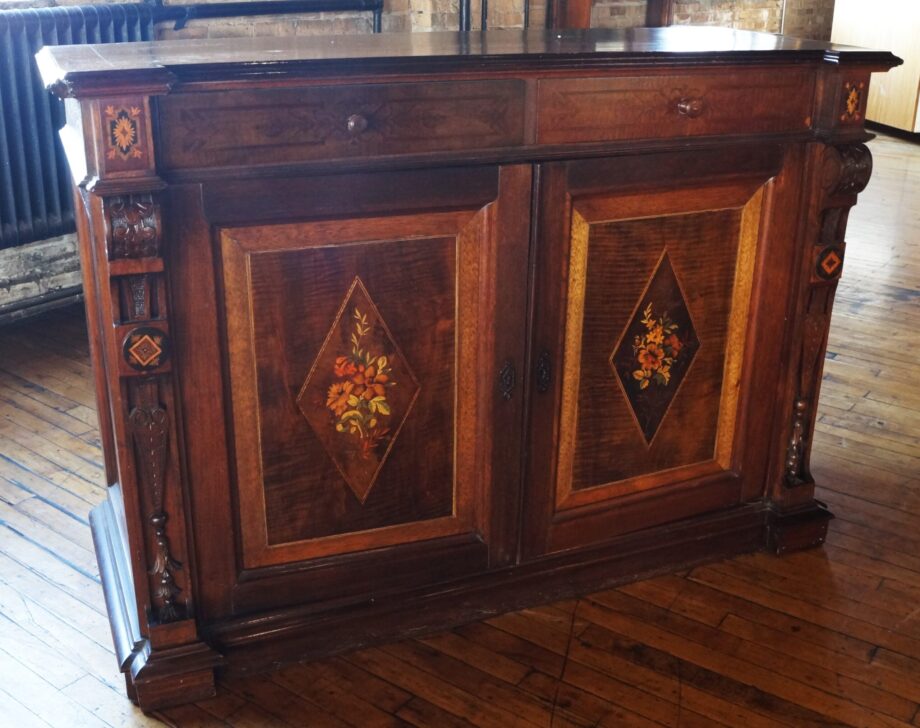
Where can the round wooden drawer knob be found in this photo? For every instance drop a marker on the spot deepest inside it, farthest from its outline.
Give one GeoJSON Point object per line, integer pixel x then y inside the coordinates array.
{"type": "Point", "coordinates": [691, 107]}
{"type": "Point", "coordinates": [356, 124]}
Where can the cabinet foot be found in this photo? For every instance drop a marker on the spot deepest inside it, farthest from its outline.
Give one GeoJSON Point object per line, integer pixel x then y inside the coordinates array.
{"type": "Point", "coordinates": [169, 667]}
{"type": "Point", "coordinates": [167, 691]}
{"type": "Point", "coordinates": [795, 530]}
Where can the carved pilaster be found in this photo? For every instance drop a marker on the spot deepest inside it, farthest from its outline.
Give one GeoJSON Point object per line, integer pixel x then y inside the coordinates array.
{"type": "Point", "coordinates": [150, 426]}
{"type": "Point", "coordinates": [845, 172]}
{"type": "Point", "coordinates": [135, 270]}
{"type": "Point", "coordinates": [140, 532]}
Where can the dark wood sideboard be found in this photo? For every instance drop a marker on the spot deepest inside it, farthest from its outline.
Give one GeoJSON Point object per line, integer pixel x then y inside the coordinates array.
{"type": "Point", "coordinates": [395, 332]}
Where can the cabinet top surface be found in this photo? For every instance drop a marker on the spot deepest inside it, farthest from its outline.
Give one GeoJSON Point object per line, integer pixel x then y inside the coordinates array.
{"type": "Point", "coordinates": [67, 69]}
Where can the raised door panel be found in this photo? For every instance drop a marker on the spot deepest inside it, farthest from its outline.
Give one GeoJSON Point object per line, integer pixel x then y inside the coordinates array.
{"type": "Point", "coordinates": [650, 324]}
{"type": "Point", "coordinates": [361, 356]}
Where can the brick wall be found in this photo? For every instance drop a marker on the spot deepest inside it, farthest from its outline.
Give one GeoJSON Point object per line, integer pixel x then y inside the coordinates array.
{"type": "Point", "coordinates": [804, 18]}
{"type": "Point", "coordinates": [809, 18]}
{"type": "Point", "coordinates": [398, 16]}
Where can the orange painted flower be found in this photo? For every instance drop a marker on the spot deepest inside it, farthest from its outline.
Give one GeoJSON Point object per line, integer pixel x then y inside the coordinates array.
{"type": "Point", "coordinates": [369, 383]}
{"type": "Point", "coordinates": [650, 357]}
{"type": "Point", "coordinates": [359, 398]}
{"type": "Point", "coordinates": [344, 367]}
{"type": "Point", "coordinates": [337, 398]}
{"type": "Point", "coordinates": [655, 335]}
{"type": "Point", "coordinates": [656, 350]}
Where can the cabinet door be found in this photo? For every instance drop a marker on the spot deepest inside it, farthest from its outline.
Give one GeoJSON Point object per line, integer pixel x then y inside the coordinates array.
{"type": "Point", "coordinates": [370, 326]}
{"type": "Point", "coordinates": [651, 364]}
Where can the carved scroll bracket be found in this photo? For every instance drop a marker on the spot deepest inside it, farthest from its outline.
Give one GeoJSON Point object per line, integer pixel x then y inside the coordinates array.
{"type": "Point", "coordinates": [134, 226]}
{"type": "Point", "coordinates": [846, 169]}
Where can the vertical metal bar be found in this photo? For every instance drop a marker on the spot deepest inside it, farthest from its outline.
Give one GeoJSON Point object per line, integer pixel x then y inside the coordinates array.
{"type": "Point", "coordinates": [484, 15]}
{"type": "Point", "coordinates": [465, 13]}
{"type": "Point", "coordinates": [378, 19]}
{"type": "Point", "coordinates": [526, 14]}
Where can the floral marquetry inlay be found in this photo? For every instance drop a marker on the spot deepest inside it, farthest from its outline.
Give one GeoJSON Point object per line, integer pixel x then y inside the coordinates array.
{"type": "Point", "coordinates": [656, 349]}
{"type": "Point", "coordinates": [853, 93]}
{"type": "Point", "coordinates": [359, 391]}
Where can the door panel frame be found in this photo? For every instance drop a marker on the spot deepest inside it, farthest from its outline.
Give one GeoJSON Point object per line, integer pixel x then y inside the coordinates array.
{"type": "Point", "coordinates": [767, 178]}
{"type": "Point", "coordinates": [496, 200]}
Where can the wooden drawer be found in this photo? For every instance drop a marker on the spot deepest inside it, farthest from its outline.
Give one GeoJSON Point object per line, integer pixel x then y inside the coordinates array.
{"type": "Point", "coordinates": [334, 122]}
{"type": "Point", "coordinates": [688, 104]}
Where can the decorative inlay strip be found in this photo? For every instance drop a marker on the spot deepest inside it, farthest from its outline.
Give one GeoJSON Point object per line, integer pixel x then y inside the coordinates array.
{"type": "Point", "coordinates": [506, 379]}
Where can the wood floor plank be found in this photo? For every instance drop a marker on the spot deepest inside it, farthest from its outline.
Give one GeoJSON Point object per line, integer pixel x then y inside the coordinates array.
{"type": "Point", "coordinates": [47, 702]}
{"type": "Point", "coordinates": [18, 714]}
{"type": "Point", "coordinates": [770, 682]}
{"type": "Point", "coordinates": [107, 703]}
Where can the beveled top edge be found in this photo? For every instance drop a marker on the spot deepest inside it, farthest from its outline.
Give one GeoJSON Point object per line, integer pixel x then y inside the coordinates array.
{"type": "Point", "coordinates": [84, 69]}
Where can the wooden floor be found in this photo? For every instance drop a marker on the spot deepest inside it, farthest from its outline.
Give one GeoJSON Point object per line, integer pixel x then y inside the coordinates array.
{"type": "Point", "coordinates": [828, 637]}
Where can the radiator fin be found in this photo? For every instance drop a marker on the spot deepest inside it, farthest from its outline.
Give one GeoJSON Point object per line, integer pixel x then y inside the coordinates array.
{"type": "Point", "coordinates": [35, 196]}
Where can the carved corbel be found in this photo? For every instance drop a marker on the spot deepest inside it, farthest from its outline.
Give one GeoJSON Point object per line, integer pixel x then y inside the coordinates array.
{"type": "Point", "coordinates": [134, 226]}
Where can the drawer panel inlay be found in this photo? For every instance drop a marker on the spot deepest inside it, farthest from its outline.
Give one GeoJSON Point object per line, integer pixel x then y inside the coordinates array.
{"type": "Point", "coordinates": [328, 122]}
{"type": "Point", "coordinates": [688, 104]}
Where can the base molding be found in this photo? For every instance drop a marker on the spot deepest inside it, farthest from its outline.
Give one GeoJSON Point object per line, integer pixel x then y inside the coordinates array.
{"type": "Point", "coordinates": [159, 676]}
{"type": "Point", "coordinates": [155, 676]}
{"type": "Point", "coordinates": [258, 642]}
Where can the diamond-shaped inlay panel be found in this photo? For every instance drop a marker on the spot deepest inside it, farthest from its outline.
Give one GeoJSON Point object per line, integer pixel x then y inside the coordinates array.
{"type": "Point", "coordinates": [146, 348]}
{"type": "Point", "coordinates": [829, 262]}
{"type": "Point", "coordinates": [359, 391]}
{"type": "Point", "coordinates": [655, 350]}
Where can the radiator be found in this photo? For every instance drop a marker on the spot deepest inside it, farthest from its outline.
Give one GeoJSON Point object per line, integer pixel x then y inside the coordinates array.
{"type": "Point", "coordinates": [35, 193]}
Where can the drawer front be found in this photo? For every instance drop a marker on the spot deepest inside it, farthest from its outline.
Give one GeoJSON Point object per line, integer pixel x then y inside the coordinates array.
{"type": "Point", "coordinates": [326, 122]}
{"type": "Point", "coordinates": [688, 104]}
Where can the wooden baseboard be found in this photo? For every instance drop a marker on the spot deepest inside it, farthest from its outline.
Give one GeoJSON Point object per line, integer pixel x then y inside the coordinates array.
{"type": "Point", "coordinates": [40, 304]}
{"type": "Point", "coordinates": [907, 136]}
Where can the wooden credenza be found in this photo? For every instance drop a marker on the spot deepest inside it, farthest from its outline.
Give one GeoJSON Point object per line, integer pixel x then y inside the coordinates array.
{"type": "Point", "coordinates": [399, 331]}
